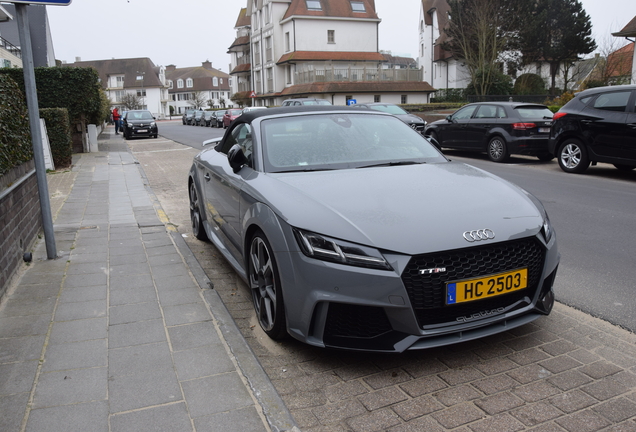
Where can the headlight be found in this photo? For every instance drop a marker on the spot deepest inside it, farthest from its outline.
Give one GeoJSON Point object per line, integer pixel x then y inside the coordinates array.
{"type": "Point", "coordinates": [323, 248]}
{"type": "Point", "coordinates": [547, 229]}
{"type": "Point", "coordinates": [153, 124]}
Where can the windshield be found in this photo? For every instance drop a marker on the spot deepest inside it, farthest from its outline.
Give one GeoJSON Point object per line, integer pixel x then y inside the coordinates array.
{"type": "Point", "coordinates": [391, 109]}
{"type": "Point", "coordinates": [534, 112]}
{"type": "Point", "coordinates": [339, 141]}
{"type": "Point", "coordinates": [139, 115]}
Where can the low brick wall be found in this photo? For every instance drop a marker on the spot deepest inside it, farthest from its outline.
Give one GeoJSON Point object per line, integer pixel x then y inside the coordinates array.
{"type": "Point", "coordinates": [20, 219]}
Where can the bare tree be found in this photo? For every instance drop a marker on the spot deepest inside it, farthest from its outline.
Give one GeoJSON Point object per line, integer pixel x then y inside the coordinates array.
{"type": "Point", "coordinates": [615, 62]}
{"type": "Point", "coordinates": [130, 101]}
{"type": "Point", "coordinates": [198, 100]}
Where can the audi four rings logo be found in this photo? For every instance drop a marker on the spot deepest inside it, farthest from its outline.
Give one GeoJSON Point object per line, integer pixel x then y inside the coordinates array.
{"type": "Point", "coordinates": [478, 235]}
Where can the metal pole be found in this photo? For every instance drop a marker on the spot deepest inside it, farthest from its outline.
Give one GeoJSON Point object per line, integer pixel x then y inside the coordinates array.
{"type": "Point", "coordinates": [34, 123]}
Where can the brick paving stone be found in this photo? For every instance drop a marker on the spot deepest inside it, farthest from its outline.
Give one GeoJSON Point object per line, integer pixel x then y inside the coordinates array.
{"type": "Point", "coordinates": [375, 421]}
{"type": "Point", "coordinates": [455, 395]}
{"type": "Point", "coordinates": [545, 336]}
{"type": "Point", "coordinates": [626, 378]}
{"type": "Point", "coordinates": [569, 380]}
{"type": "Point", "coordinates": [419, 425]}
{"type": "Point", "coordinates": [458, 415]}
{"type": "Point", "coordinates": [523, 343]}
{"type": "Point", "coordinates": [558, 347]}
{"type": "Point", "coordinates": [529, 356]}
{"type": "Point", "coordinates": [382, 398]}
{"type": "Point", "coordinates": [345, 390]}
{"type": "Point", "coordinates": [622, 359]}
{"type": "Point", "coordinates": [387, 378]}
{"type": "Point", "coordinates": [304, 418]}
{"type": "Point", "coordinates": [461, 376]}
{"type": "Point", "coordinates": [334, 413]}
{"type": "Point", "coordinates": [616, 410]}
{"type": "Point", "coordinates": [536, 391]}
{"type": "Point", "coordinates": [534, 414]}
{"type": "Point", "coordinates": [529, 373]}
{"type": "Point", "coordinates": [560, 364]}
{"type": "Point", "coordinates": [425, 368]}
{"type": "Point", "coordinates": [314, 382]}
{"type": "Point", "coordinates": [355, 371]}
{"type": "Point", "coordinates": [600, 369]}
{"type": "Point", "coordinates": [493, 351]}
{"type": "Point", "coordinates": [321, 365]}
{"type": "Point", "coordinates": [573, 401]}
{"type": "Point", "coordinates": [605, 389]}
{"type": "Point", "coordinates": [495, 366]}
{"type": "Point", "coordinates": [423, 386]}
{"type": "Point", "coordinates": [457, 360]}
{"type": "Point", "coordinates": [628, 426]}
{"type": "Point", "coordinates": [309, 399]}
{"type": "Point", "coordinates": [548, 427]}
{"type": "Point", "coordinates": [495, 384]}
{"type": "Point", "coordinates": [499, 423]}
{"type": "Point", "coordinates": [584, 356]}
{"type": "Point", "coordinates": [499, 403]}
{"type": "Point", "coordinates": [583, 421]}
{"type": "Point", "coordinates": [417, 407]}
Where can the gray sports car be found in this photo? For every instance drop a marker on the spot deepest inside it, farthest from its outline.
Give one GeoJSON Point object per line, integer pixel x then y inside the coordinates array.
{"type": "Point", "coordinates": [353, 231]}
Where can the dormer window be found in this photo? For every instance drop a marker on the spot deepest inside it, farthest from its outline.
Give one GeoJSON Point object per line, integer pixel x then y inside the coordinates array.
{"type": "Point", "coordinates": [189, 83]}
{"type": "Point", "coordinates": [357, 6]}
{"type": "Point", "coordinates": [215, 81]}
{"type": "Point", "coordinates": [169, 83]}
{"type": "Point", "coordinates": [179, 83]}
{"type": "Point", "coordinates": [313, 5]}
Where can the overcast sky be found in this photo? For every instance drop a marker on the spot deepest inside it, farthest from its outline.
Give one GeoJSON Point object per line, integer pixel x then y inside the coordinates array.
{"type": "Point", "coordinates": [188, 32]}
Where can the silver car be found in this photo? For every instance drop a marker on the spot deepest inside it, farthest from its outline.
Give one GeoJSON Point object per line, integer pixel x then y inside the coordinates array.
{"type": "Point", "coordinates": [353, 231]}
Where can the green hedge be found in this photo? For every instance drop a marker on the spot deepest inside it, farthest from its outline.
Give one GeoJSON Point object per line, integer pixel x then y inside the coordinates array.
{"type": "Point", "coordinates": [57, 128]}
{"type": "Point", "coordinates": [15, 135]}
{"type": "Point", "coordinates": [76, 89]}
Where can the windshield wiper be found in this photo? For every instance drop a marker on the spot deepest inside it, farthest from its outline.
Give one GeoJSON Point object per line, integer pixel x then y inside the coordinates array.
{"type": "Point", "coordinates": [395, 163]}
{"type": "Point", "coordinates": [304, 170]}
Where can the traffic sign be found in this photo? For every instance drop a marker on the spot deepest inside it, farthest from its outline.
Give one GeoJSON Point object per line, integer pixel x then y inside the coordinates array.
{"type": "Point", "coordinates": [352, 102]}
{"type": "Point", "coordinates": [252, 94]}
{"type": "Point", "coordinates": [47, 3]}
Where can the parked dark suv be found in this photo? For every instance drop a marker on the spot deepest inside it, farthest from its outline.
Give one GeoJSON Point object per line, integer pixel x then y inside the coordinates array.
{"type": "Point", "coordinates": [598, 125]}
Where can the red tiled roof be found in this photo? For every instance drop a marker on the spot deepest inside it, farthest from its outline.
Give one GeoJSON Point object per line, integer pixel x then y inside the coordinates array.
{"type": "Point", "coordinates": [330, 55]}
{"type": "Point", "coordinates": [619, 63]}
{"type": "Point", "coordinates": [245, 67]}
{"type": "Point", "coordinates": [331, 8]}
{"type": "Point", "coordinates": [356, 87]}
{"type": "Point", "coordinates": [240, 41]}
{"type": "Point", "coordinates": [243, 20]}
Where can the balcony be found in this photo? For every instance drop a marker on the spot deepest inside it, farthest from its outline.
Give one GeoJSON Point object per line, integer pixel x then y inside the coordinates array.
{"type": "Point", "coordinates": [350, 74]}
{"type": "Point", "coordinates": [12, 49]}
{"type": "Point", "coordinates": [244, 86]}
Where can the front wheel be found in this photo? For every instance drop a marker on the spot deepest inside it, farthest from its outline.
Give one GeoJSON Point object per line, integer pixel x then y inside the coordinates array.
{"type": "Point", "coordinates": [498, 149]}
{"type": "Point", "coordinates": [195, 214]}
{"type": "Point", "coordinates": [265, 285]}
{"type": "Point", "coordinates": [573, 157]}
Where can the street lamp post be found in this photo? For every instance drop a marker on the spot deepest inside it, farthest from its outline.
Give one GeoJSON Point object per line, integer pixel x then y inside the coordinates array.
{"type": "Point", "coordinates": [140, 77]}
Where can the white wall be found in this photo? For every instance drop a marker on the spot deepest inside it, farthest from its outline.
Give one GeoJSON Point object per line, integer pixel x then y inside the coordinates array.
{"type": "Point", "coordinates": [311, 35]}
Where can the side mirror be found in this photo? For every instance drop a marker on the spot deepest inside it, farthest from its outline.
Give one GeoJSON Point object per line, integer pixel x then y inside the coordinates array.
{"type": "Point", "coordinates": [212, 141]}
{"type": "Point", "coordinates": [449, 118]}
{"type": "Point", "coordinates": [237, 158]}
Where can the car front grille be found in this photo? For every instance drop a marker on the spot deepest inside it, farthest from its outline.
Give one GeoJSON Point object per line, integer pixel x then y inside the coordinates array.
{"type": "Point", "coordinates": [427, 292]}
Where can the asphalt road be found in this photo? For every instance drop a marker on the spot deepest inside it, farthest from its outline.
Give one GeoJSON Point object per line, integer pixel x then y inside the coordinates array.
{"type": "Point", "coordinates": [593, 215]}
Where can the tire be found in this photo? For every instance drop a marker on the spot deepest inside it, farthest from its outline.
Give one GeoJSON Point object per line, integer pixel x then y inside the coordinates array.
{"type": "Point", "coordinates": [264, 283]}
{"type": "Point", "coordinates": [196, 221]}
{"type": "Point", "coordinates": [497, 149]}
{"type": "Point", "coordinates": [572, 156]}
{"type": "Point", "coordinates": [621, 167]}
{"type": "Point", "coordinates": [545, 157]}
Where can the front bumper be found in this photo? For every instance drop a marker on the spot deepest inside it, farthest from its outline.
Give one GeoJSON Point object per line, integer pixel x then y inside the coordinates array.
{"type": "Point", "coordinates": [338, 306]}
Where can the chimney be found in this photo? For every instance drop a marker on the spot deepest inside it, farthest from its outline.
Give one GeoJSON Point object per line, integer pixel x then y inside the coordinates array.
{"type": "Point", "coordinates": [78, 59]}
{"type": "Point", "coordinates": [170, 68]}
{"type": "Point", "coordinates": [207, 64]}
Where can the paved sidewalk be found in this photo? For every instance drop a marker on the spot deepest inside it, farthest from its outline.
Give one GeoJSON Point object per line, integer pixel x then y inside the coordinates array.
{"type": "Point", "coordinates": [122, 331]}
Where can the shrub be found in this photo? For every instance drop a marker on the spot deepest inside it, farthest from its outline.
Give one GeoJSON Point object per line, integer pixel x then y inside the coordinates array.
{"type": "Point", "coordinates": [57, 128]}
{"type": "Point", "coordinates": [529, 84]}
{"type": "Point", "coordinates": [15, 136]}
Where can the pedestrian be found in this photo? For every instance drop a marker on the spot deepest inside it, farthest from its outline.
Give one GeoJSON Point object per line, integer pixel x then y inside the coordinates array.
{"type": "Point", "coordinates": [116, 119]}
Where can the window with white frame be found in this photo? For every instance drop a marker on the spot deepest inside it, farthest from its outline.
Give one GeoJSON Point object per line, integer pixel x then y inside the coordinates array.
{"type": "Point", "coordinates": [215, 81]}
{"type": "Point", "coordinates": [377, 98]}
{"type": "Point", "coordinates": [313, 5]}
{"type": "Point", "coordinates": [357, 6]}
{"type": "Point", "coordinates": [287, 43]}
{"type": "Point", "coordinates": [189, 83]}
{"type": "Point", "coordinates": [331, 36]}
{"type": "Point", "coordinates": [404, 99]}
{"type": "Point", "coordinates": [141, 92]}
{"type": "Point", "coordinates": [179, 83]}
{"type": "Point", "coordinates": [266, 12]}
{"type": "Point", "coordinates": [220, 80]}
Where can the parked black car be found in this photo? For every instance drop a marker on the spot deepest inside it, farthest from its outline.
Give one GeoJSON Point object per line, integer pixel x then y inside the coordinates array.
{"type": "Point", "coordinates": [196, 119]}
{"type": "Point", "coordinates": [412, 120]}
{"type": "Point", "coordinates": [187, 116]}
{"type": "Point", "coordinates": [139, 123]}
{"type": "Point", "coordinates": [497, 128]}
{"type": "Point", "coordinates": [598, 125]}
{"type": "Point", "coordinates": [217, 120]}
{"type": "Point", "coordinates": [207, 118]}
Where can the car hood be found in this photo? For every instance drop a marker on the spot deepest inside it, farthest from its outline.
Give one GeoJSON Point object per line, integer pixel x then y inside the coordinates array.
{"type": "Point", "coordinates": [410, 118]}
{"type": "Point", "coordinates": [407, 209]}
{"type": "Point", "coordinates": [140, 122]}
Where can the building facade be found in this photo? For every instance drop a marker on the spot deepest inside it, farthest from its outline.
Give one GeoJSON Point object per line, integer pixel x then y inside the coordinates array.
{"type": "Point", "coordinates": [10, 55]}
{"type": "Point", "coordinates": [317, 48]}
{"type": "Point", "coordinates": [198, 87]}
{"type": "Point", "coordinates": [39, 31]}
{"type": "Point", "coordinates": [135, 76]}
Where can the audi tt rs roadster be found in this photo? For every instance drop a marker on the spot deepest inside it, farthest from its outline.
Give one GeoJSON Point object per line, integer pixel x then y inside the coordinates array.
{"type": "Point", "coordinates": [353, 231]}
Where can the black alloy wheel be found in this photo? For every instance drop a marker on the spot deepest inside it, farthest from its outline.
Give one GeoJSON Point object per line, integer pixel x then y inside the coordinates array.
{"type": "Point", "coordinates": [572, 156]}
{"type": "Point", "coordinates": [265, 285]}
{"type": "Point", "coordinates": [196, 221]}
{"type": "Point", "coordinates": [498, 149]}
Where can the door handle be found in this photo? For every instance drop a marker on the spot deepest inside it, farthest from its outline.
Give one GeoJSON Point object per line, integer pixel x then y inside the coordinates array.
{"type": "Point", "coordinates": [207, 177]}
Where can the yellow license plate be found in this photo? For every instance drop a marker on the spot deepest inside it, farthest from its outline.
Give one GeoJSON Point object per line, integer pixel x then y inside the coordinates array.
{"type": "Point", "coordinates": [490, 286]}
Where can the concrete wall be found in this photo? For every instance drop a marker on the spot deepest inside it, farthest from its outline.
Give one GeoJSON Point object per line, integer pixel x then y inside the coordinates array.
{"type": "Point", "coordinates": [20, 219]}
